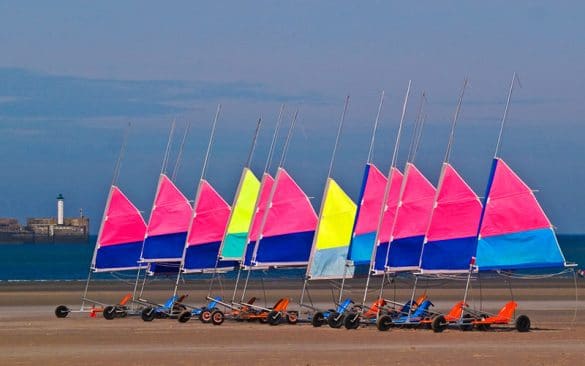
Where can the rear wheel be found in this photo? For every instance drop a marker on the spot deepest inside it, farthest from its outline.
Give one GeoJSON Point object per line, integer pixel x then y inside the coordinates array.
{"type": "Point", "coordinates": [439, 324]}
{"type": "Point", "coordinates": [274, 317]}
{"type": "Point", "coordinates": [205, 316]}
{"type": "Point", "coordinates": [109, 312]}
{"type": "Point", "coordinates": [466, 323]}
{"type": "Point", "coordinates": [292, 317]}
{"type": "Point", "coordinates": [318, 319]}
{"type": "Point", "coordinates": [147, 314]}
{"type": "Point", "coordinates": [335, 320]}
{"type": "Point", "coordinates": [384, 323]}
{"type": "Point", "coordinates": [61, 311]}
{"type": "Point", "coordinates": [184, 316]}
{"type": "Point", "coordinates": [352, 321]}
{"type": "Point", "coordinates": [217, 317]}
{"type": "Point", "coordinates": [523, 324]}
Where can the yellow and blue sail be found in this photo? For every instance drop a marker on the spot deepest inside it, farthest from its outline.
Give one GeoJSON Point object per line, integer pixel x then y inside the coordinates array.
{"type": "Point", "coordinates": [333, 236]}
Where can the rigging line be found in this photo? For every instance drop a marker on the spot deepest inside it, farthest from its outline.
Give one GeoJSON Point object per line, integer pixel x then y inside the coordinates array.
{"type": "Point", "coordinates": [288, 138]}
{"type": "Point", "coordinates": [180, 153]}
{"type": "Point", "coordinates": [163, 168]}
{"type": "Point", "coordinates": [253, 147]}
{"type": "Point", "coordinates": [204, 168]}
{"type": "Point", "coordinates": [339, 129]}
{"type": "Point", "coordinates": [371, 151]}
{"type": "Point", "coordinates": [505, 116]}
{"type": "Point", "coordinates": [397, 143]}
{"type": "Point", "coordinates": [418, 136]}
{"type": "Point", "coordinates": [274, 138]}
{"type": "Point", "coordinates": [416, 127]}
{"type": "Point", "coordinates": [454, 122]}
{"type": "Point", "coordinates": [121, 154]}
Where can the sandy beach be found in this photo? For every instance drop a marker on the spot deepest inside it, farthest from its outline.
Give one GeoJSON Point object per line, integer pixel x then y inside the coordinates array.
{"type": "Point", "coordinates": [30, 334]}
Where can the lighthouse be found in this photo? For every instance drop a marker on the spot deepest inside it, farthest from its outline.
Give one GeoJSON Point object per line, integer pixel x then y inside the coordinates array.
{"type": "Point", "coordinates": [60, 208]}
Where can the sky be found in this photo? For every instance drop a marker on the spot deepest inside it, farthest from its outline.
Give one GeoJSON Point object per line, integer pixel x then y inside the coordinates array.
{"type": "Point", "coordinates": [73, 74]}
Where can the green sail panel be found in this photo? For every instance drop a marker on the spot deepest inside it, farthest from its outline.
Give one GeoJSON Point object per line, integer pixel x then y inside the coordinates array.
{"type": "Point", "coordinates": [234, 242]}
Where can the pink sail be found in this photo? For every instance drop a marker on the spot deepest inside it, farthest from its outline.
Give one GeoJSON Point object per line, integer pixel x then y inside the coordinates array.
{"type": "Point", "coordinates": [369, 209]}
{"type": "Point", "coordinates": [211, 217]}
{"type": "Point", "coordinates": [171, 211]}
{"type": "Point", "coordinates": [290, 210]}
{"type": "Point", "coordinates": [123, 223]}
{"type": "Point", "coordinates": [416, 205]}
{"type": "Point", "coordinates": [267, 183]}
{"type": "Point", "coordinates": [511, 206]}
{"type": "Point", "coordinates": [392, 204]}
{"type": "Point", "coordinates": [457, 210]}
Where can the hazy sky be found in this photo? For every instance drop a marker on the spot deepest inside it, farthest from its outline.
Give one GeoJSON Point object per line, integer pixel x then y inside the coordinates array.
{"type": "Point", "coordinates": [73, 74]}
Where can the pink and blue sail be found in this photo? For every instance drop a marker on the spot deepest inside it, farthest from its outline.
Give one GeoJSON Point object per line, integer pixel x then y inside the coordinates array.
{"type": "Point", "coordinates": [451, 238]}
{"type": "Point", "coordinates": [514, 233]}
{"type": "Point", "coordinates": [411, 221]}
{"type": "Point", "coordinates": [168, 224]}
{"type": "Point", "coordinates": [210, 219]}
{"type": "Point", "coordinates": [287, 234]}
{"type": "Point", "coordinates": [371, 197]}
{"type": "Point", "coordinates": [121, 235]}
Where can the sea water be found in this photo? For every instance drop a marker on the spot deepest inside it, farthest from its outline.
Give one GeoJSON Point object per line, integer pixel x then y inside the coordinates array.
{"type": "Point", "coordinates": [70, 262]}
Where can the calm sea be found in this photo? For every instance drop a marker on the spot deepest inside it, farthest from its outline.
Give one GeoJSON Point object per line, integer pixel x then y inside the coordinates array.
{"type": "Point", "coordinates": [70, 262]}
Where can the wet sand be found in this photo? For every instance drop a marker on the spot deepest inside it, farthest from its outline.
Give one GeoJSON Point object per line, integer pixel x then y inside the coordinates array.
{"type": "Point", "coordinates": [30, 334]}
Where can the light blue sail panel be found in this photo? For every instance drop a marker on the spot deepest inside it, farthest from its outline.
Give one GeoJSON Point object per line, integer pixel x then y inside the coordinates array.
{"type": "Point", "coordinates": [449, 254]}
{"type": "Point", "coordinates": [360, 250]}
{"type": "Point", "coordinates": [528, 249]}
{"type": "Point", "coordinates": [331, 263]}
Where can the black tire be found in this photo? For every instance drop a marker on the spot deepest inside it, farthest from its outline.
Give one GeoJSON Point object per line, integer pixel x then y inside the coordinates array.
{"type": "Point", "coordinates": [148, 314]}
{"type": "Point", "coordinates": [466, 323]}
{"type": "Point", "coordinates": [217, 317]}
{"type": "Point", "coordinates": [335, 320]}
{"type": "Point", "coordinates": [109, 312]}
{"type": "Point", "coordinates": [522, 324]}
{"type": "Point", "coordinates": [384, 323]}
{"type": "Point", "coordinates": [62, 311]}
{"type": "Point", "coordinates": [439, 324]}
{"type": "Point", "coordinates": [484, 327]}
{"type": "Point", "coordinates": [274, 317]}
{"type": "Point", "coordinates": [184, 317]}
{"type": "Point", "coordinates": [263, 319]}
{"type": "Point", "coordinates": [292, 317]}
{"type": "Point", "coordinates": [352, 321]}
{"type": "Point", "coordinates": [205, 316]}
{"type": "Point", "coordinates": [318, 319]}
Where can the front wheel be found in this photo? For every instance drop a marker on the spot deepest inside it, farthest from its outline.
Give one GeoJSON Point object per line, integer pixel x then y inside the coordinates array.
{"type": "Point", "coordinates": [352, 321]}
{"type": "Point", "coordinates": [205, 316]}
{"type": "Point", "coordinates": [184, 316]}
{"type": "Point", "coordinates": [62, 311]}
{"type": "Point", "coordinates": [335, 320]}
{"type": "Point", "coordinates": [147, 314]}
{"type": "Point", "coordinates": [439, 324]}
{"type": "Point", "coordinates": [274, 317]}
{"type": "Point", "coordinates": [318, 319]}
{"type": "Point", "coordinates": [384, 323]}
{"type": "Point", "coordinates": [523, 324]}
{"type": "Point", "coordinates": [292, 317]}
{"type": "Point", "coordinates": [217, 317]}
{"type": "Point", "coordinates": [109, 312]}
